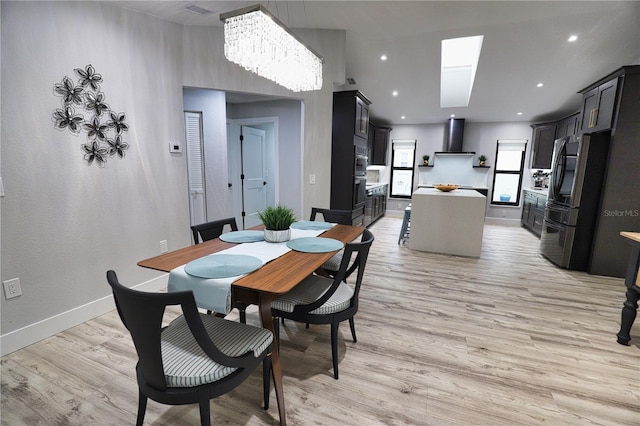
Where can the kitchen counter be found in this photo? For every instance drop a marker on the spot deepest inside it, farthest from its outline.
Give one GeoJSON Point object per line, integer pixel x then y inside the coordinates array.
{"type": "Point", "coordinates": [447, 222]}
{"type": "Point", "coordinates": [375, 185]}
{"type": "Point", "coordinates": [538, 190]}
{"type": "Point", "coordinates": [460, 187]}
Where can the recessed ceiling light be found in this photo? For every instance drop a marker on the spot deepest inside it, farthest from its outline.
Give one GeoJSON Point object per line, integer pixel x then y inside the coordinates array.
{"type": "Point", "coordinates": [539, 84]}
{"type": "Point", "coordinates": [394, 93]}
{"type": "Point", "coordinates": [402, 117]}
{"type": "Point", "coordinates": [519, 113]}
{"type": "Point", "coordinates": [383, 57]}
{"type": "Point", "coordinates": [572, 38]}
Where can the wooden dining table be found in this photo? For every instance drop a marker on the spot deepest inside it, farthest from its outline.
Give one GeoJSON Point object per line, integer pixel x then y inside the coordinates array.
{"type": "Point", "coordinates": [262, 286]}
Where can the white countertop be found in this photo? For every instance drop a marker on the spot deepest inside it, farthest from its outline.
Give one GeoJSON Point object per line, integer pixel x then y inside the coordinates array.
{"type": "Point", "coordinates": [454, 193]}
{"type": "Point", "coordinates": [421, 185]}
{"type": "Point", "coordinates": [542, 190]}
{"type": "Point", "coordinates": [375, 184]}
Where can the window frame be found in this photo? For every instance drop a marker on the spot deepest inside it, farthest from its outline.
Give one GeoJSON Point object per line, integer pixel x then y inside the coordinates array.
{"type": "Point", "coordinates": [520, 172]}
{"type": "Point", "coordinates": [394, 168]}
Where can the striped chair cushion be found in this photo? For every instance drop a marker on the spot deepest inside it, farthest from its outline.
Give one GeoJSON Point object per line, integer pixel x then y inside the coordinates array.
{"type": "Point", "coordinates": [186, 364]}
{"type": "Point", "coordinates": [333, 264]}
{"type": "Point", "coordinates": [311, 289]}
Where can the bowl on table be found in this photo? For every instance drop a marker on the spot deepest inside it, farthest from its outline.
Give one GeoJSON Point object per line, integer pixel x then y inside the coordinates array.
{"type": "Point", "coordinates": [446, 187]}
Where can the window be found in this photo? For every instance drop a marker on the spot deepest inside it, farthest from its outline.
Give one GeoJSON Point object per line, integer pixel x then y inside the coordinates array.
{"type": "Point", "coordinates": [507, 176]}
{"type": "Point", "coordinates": [402, 163]}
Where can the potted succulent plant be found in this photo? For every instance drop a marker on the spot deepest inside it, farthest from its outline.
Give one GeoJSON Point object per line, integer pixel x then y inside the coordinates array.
{"type": "Point", "coordinates": [277, 221]}
{"type": "Point", "coordinates": [425, 160]}
{"type": "Point", "coordinates": [482, 160]}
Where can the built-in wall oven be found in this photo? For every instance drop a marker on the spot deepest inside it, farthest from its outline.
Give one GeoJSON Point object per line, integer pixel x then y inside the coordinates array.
{"type": "Point", "coordinates": [359, 191]}
{"type": "Point", "coordinates": [360, 161]}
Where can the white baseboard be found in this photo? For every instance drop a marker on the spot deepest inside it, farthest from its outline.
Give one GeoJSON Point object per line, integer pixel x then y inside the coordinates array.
{"type": "Point", "coordinates": [33, 333]}
{"type": "Point", "coordinates": [502, 221]}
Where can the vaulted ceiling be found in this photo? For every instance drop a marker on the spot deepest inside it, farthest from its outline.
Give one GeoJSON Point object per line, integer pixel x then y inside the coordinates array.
{"type": "Point", "coordinates": [525, 43]}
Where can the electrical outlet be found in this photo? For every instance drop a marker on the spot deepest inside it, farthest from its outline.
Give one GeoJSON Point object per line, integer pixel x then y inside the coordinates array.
{"type": "Point", "coordinates": [164, 247]}
{"type": "Point", "coordinates": [12, 288]}
{"type": "Point", "coordinates": [312, 179]}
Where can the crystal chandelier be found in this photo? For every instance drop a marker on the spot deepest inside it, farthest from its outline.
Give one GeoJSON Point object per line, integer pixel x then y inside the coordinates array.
{"type": "Point", "coordinates": [260, 43]}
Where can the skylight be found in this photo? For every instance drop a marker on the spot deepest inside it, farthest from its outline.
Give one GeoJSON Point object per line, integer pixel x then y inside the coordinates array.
{"type": "Point", "coordinates": [458, 66]}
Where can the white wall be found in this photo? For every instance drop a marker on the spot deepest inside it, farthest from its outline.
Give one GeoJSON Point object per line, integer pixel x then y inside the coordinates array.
{"type": "Point", "coordinates": [65, 223]}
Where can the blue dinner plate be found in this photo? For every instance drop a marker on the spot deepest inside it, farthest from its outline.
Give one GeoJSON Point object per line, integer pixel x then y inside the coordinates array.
{"type": "Point", "coordinates": [222, 265]}
{"type": "Point", "coordinates": [311, 225]}
{"type": "Point", "coordinates": [242, 236]}
{"type": "Point", "coordinates": [315, 244]}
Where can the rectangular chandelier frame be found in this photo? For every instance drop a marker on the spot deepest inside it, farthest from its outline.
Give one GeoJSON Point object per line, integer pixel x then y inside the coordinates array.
{"type": "Point", "coordinates": [256, 40]}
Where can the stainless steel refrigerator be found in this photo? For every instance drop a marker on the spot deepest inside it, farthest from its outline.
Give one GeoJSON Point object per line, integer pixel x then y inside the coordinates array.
{"type": "Point", "coordinates": [575, 189]}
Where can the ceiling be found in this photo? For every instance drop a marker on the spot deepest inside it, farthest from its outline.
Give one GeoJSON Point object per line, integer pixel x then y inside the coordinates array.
{"type": "Point", "coordinates": [525, 42]}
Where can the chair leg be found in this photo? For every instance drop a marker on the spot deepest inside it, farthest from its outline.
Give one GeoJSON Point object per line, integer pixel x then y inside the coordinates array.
{"type": "Point", "coordinates": [142, 408]}
{"type": "Point", "coordinates": [205, 410]}
{"type": "Point", "coordinates": [334, 348]}
{"type": "Point", "coordinates": [276, 330]}
{"type": "Point", "coordinates": [243, 316]}
{"type": "Point", "coordinates": [353, 329]}
{"type": "Point", "coordinates": [266, 380]}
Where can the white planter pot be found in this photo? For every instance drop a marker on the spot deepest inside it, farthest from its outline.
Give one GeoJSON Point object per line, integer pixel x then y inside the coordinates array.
{"type": "Point", "coordinates": [277, 236]}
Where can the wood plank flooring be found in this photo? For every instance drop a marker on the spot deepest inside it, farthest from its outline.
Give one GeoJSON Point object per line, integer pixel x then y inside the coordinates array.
{"type": "Point", "coordinates": [507, 339]}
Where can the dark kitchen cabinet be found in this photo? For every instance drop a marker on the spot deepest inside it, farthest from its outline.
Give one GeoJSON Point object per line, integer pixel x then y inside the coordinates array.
{"type": "Point", "coordinates": [544, 135]}
{"type": "Point", "coordinates": [349, 141]}
{"type": "Point", "coordinates": [598, 106]}
{"type": "Point", "coordinates": [376, 203]}
{"type": "Point", "coordinates": [569, 126]}
{"type": "Point", "coordinates": [618, 209]}
{"type": "Point", "coordinates": [378, 144]}
{"type": "Point", "coordinates": [533, 211]}
{"type": "Point", "coordinates": [361, 124]}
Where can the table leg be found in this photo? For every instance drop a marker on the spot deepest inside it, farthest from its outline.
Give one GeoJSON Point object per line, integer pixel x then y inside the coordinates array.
{"type": "Point", "coordinates": [276, 368]}
{"type": "Point", "coordinates": [629, 312]}
{"type": "Point", "coordinates": [630, 309]}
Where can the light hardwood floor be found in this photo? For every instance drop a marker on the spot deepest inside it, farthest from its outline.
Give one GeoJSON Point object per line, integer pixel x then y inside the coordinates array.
{"type": "Point", "coordinates": [507, 339]}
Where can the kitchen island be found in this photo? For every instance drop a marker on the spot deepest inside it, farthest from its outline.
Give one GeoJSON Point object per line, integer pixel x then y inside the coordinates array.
{"type": "Point", "coordinates": [447, 222]}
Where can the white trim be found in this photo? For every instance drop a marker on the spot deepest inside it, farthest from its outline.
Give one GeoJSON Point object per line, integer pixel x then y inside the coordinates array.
{"type": "Point", "coordinates": [502, 221]}
{"type": "Point", "coordinates": [43, 329]}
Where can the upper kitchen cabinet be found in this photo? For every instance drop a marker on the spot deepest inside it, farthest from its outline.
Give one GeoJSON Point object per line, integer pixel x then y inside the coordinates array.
{"type": "Point", "coordinates": [598, 106]}
{"type": "Point", "coordinates": [350, 115]}
{"type": "Point", "coordinates": [378, 144]}
{"type": "Point", "coordinates": [542, 147]}
{"type": "Point", "coordinates": [569, 126]}
{"type": "Point", "coordinates": [544, 136]}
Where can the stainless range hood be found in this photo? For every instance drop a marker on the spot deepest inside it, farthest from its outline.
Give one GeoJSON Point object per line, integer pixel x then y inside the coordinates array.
{"type": "Point", "coordinates": [454, 138]}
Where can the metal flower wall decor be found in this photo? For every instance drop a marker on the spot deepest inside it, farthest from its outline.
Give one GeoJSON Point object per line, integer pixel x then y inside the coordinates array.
{"type": "Point", "coordinates": [104, 127]}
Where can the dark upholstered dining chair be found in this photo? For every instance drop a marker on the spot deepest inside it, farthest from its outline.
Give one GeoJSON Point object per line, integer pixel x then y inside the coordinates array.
{"type": "Point", "coordinates": [196, 357]}
{"type": "Point", "coordinates": [343, 217]}
{"type": "Point", "coordinates": [210, 230]}
{"type": "Point", "coordinates": [321, 300]}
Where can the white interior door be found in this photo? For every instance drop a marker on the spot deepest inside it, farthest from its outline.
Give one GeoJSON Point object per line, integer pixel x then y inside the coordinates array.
{"type": "Point", "coordinates": [253, 174]}
{"type": "Point", "coordinates": [195, 167]}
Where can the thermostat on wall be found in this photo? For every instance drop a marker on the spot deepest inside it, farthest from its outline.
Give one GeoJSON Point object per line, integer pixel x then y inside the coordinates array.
{"type": "Point", "coordinates": [175, 147]}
